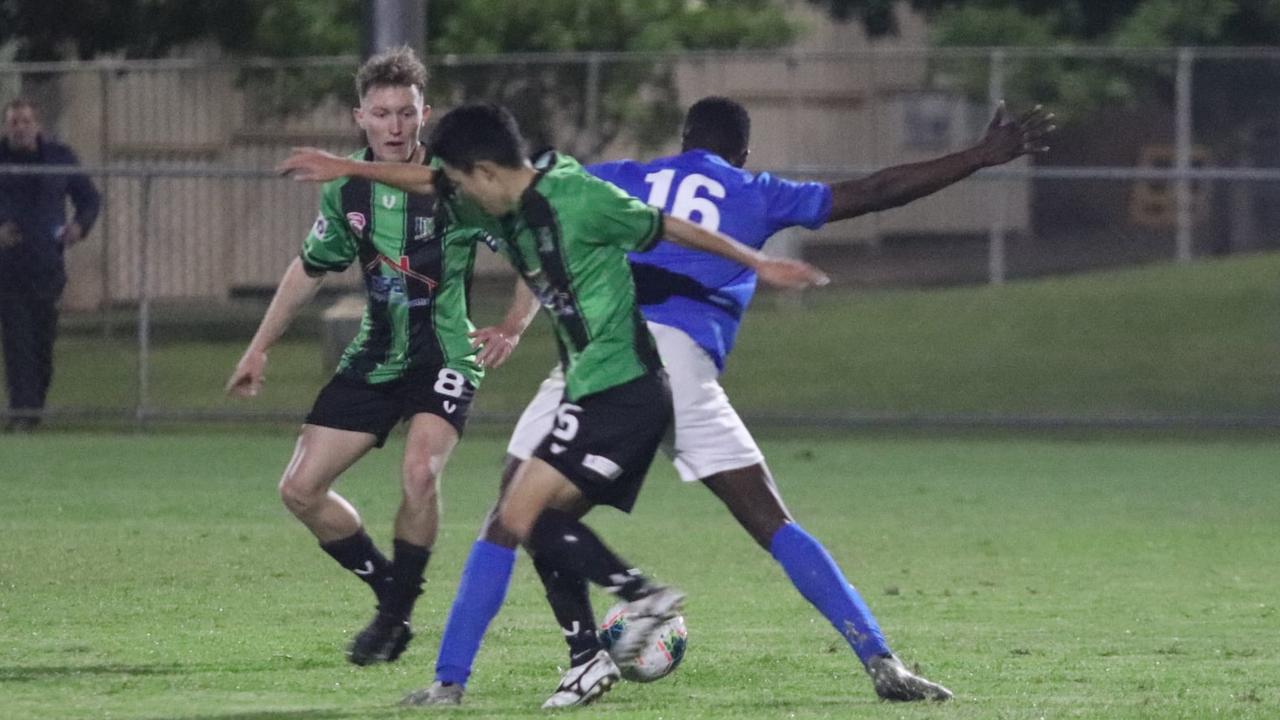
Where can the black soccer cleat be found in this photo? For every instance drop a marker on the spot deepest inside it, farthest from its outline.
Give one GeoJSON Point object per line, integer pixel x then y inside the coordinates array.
{"type": "Point", "coordinates": [893, 681]}
{"type": "Point", "coordinates": [382, 640]}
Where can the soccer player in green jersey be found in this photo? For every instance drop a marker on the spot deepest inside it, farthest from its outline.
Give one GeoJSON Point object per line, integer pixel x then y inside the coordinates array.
{"type": "Point", "coordinates": [568, 234]}
{"type": "Point", "coordinates": [414, 358]}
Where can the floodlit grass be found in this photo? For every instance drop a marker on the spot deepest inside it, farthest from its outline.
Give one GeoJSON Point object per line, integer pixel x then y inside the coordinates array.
{"type": "Point", "coordinates": [1170, 340]}
{"type": "Point", "coordinates": [1131, 576]}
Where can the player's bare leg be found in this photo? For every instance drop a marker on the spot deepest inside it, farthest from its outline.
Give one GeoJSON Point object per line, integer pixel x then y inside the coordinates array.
{"type": "Point", "coordinates": [429, 443]}
{"type": "Point", "coordinates": [320, 456]}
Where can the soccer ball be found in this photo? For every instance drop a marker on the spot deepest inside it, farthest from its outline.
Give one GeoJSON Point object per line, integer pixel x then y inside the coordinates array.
{"type": "Point", "coordinates": [660, 658]}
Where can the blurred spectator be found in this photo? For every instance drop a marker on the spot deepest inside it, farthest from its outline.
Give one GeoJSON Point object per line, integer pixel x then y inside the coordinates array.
{"type": "Point", "coordinates": [34, 232]}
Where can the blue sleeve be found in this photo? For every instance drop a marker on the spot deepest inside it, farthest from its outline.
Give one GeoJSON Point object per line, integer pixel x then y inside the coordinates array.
{"type": "Point", "coordinates": [84, 197]}
{"type": "Point", "coordinates": [607, 171]}
{"type": "Point", "coordinates": [791, 203]}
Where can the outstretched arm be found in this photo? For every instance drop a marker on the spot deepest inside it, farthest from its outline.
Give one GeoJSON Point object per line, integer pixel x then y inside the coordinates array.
{"type": "Point", "coordinates": [497, 342]}
{"type": "Point", "coordinates": [314, 165]}
{"type": "Point", "coordinates": [295, 290]}
{"type": "Point", "coordinates": [1005, 140]}
{"type": "Point", "coordinates": [781, 272]}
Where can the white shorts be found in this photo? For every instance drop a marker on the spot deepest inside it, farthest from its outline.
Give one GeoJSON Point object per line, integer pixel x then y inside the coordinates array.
{"type": "Point", "coordinates": [710, 438]}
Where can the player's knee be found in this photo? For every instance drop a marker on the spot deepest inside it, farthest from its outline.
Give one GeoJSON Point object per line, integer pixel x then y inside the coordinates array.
{"type": "Point", "coordinates": [421, 483]}
{"type": "Point", "coordinates": [497, 533]}
{"type": "Point", "coordinates": [515, 521]}
{"type": "Point", "coordinates": [299, 496]}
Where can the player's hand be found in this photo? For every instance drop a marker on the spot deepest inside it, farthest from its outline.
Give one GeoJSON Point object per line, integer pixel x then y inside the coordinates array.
{"type": "Point", "coordinates": [1007, 138]}
{"type": "Point", "coordinates": [9, 235]}
{"type": "Point", "coordinates": [496, 345]}
{"type": "Point", "coordinates": [72, 233]}
{"type": "Point", "coordinates": [791, 274]}
{"type": "Point", "coordinates": [308, 164]}
{"type": "Point", "coordinates": [249, 374]}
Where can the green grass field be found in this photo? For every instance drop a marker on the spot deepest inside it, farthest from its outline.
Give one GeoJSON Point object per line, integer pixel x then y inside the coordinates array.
{"type": "Point", "coordinates": [1200, 339]}
{"type": "Point", "coordinates": [1096, 576]}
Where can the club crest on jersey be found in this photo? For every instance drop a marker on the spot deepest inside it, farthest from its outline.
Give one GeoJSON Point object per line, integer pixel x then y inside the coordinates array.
{"type": "Point", "coordinates": [388, 201]}
{"type": "Point", "coordinates": [422, 227]}
{"type": "Point", "coordinates": [320, 227]}
{"type": "Point", "coordinates": [357, 221]}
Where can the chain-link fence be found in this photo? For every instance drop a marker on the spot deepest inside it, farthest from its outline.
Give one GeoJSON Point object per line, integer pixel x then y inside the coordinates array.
{"type": "Point", "coordinates": [1162, 155]}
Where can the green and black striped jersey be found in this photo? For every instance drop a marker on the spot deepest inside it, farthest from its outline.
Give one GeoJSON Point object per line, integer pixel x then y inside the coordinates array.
{"type": "Point", "coordinates": [569, 238]}
{"type": "Point", "coordinates": [416, 272]}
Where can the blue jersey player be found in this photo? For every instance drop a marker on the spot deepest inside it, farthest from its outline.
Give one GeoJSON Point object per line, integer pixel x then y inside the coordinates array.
{"type": "Point", "coordinates": [693, 303]}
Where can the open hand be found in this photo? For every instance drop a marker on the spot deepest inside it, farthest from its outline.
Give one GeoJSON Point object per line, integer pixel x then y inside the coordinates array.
{"type": "Point", "coordinates": [1007, 138]}
{"type": "Point", "coordinates": [495, 345]}
{"type": "Point", "coordinates": [792, 274]}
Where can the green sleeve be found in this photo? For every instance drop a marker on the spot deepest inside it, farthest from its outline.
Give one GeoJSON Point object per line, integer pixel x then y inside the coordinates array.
{"type": "Point", "coordinates": [330, 246]}
{"type": "Point", "coordinates": [619, 219]}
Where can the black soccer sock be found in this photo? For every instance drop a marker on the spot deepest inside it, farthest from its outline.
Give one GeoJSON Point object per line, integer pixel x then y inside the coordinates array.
{"type": "Point", "coordinates": [571, 603]}
{"type": "Point", "coordinates": [358, 554]}
{"type": "Point", "coordinates": [407, 569]}
{"type": "Point", "coordinates": [563, 543]}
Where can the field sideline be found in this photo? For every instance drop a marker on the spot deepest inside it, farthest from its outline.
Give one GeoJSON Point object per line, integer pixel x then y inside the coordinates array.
{"type": "Point", "coordinates": [157, 576]}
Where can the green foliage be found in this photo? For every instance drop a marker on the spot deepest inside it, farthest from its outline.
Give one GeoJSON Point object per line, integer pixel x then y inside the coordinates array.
{"type": "Point", "coordinates": [637, 97]}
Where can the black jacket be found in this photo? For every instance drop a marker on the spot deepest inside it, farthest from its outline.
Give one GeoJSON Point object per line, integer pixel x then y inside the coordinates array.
{"type": "Point", "coordinates": [37, 204]}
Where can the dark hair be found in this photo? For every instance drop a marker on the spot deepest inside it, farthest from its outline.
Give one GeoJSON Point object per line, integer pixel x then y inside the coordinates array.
{"type": "Point", "coordinates": [717, 124]}
{"type": "Point", "coordinates": [20, 102]}
{"type": "Point", "coordinates": [481, 131]}
{"type": "Point", "coordinates": [397, 67]}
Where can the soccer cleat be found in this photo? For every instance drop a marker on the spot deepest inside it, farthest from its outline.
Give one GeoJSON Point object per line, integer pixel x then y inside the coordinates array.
{"type": "Point", "coordinates": [645, 617]}
{"type": "Point", "coordinates": [382, 640]}
{"type": "Point", "coordinates": [438, 694]}
{"type": "Point", "coordinates": [893, 681]}
{"type": "Point", "coordinates": [584, 684]}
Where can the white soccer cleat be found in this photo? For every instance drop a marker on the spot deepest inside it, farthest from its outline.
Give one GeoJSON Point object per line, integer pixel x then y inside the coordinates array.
{"type": "Point", "coordinates": [895, 682]}
{"type": "Point", "coordinates": [584, 684]}
{"type": "Point", "coordinates": [437, 694]}
{"type": "Point", "coordinates": [645, 618]}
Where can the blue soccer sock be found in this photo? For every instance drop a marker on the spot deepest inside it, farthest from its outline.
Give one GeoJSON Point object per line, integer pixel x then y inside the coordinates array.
{"type": "Point", "coordinates": [820, 581]}
{"type": "Point", "coordinates": [480, 594]}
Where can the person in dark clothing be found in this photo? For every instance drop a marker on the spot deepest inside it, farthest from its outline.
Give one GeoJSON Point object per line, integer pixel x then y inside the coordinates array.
{"type": "Point", "coordinates": [34, 233]}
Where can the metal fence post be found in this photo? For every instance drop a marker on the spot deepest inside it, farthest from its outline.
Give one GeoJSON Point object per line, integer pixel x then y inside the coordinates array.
{"type": "Point", "coordinates": [144, 304]}
{"type": "Point", "coordinates": [1182, 153]}
{"type": "Point", "coordinates": [104, 215]}
{"type": "Point", "coordinates": [996, 260]}
{"type": "Point", "coordinates": [591, 121]}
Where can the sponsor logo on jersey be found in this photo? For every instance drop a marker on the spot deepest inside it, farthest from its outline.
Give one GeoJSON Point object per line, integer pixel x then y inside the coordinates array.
{"type": "Point", "coordinates": [422, 227]}
{"type": "Point", "coordinates": [602, 465]}
{"type": "Point", "coordinates": [402, 266]}
{"type": "Point", "coordinates": [320, 227]}
{"type": "Point", "coordinates": [357, 221]}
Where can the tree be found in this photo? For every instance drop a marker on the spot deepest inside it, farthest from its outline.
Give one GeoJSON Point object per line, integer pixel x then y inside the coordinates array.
{"type": "Point", "coordinates": [1237, 100]}
{"type": "Point", "coordinates": [635, 96]}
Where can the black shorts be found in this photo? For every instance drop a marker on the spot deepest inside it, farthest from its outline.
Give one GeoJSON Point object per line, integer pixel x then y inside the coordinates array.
{"type": "Point", "coordinates": [605, 442]}
{"type": "Point", "coordinates": [376, 408]}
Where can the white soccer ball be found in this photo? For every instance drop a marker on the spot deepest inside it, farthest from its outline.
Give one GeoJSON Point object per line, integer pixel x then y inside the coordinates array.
{"type": "Point", "coordinates": [657, 660]}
